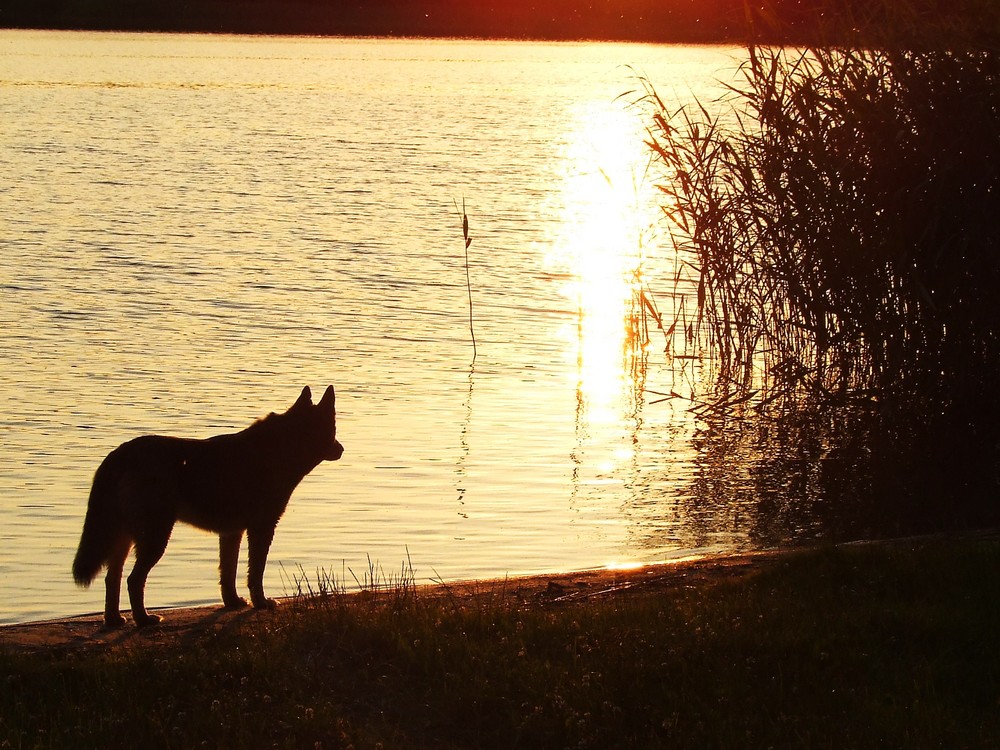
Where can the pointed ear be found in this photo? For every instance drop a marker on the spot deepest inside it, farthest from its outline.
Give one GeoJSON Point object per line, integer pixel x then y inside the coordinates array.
{"type": "Point", "coordinates": [328, 400]}
{"type": "Point", "coordinates": [305, 398]}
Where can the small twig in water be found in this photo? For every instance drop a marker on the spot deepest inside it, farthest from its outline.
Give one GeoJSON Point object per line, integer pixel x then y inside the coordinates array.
{"type": "Point", "coordinates": [468, 279]}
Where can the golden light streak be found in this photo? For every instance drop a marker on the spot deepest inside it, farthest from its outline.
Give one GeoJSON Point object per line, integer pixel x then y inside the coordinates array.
{"type": "Point", "coordinates": [601, 251]}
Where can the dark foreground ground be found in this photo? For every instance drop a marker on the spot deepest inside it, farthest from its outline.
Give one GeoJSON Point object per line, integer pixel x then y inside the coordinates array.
{"type": "Point", "coordinates": [878, 645]}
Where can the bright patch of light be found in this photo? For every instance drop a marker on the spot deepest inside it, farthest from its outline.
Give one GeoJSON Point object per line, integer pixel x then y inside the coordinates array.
{"type": "Point", "coordinates": [604, 224]}
{"type": "Point", "coordinates": [625, 565]}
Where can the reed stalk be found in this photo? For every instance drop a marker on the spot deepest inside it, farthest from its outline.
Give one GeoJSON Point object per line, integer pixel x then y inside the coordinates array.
{"type": "Point", "coordinates": [838, 213]}
{"type": "Point", "coordinates": [468, 277]}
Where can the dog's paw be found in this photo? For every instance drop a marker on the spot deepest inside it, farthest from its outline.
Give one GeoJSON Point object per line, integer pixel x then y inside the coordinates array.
{"type": "Point", "coordinates": [264, 603]}
{"type": "Point", "coordinates": [146, 620]}
{"type": "Point", "coordinates": [237, 602]}
{"type": "Point", "coordinates": [113, 622]}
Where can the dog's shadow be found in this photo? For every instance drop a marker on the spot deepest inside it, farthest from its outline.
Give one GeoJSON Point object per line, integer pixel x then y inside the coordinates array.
{"type": "Point", "coordinates": [181, 627]}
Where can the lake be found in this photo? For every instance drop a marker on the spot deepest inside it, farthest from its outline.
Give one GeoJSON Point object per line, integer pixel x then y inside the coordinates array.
{"type": "Point", "coordinates": [194, 227]}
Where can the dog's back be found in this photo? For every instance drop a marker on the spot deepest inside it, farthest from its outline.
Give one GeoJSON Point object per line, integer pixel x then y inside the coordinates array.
{"type": "Point", "coordinates": [139, 489]}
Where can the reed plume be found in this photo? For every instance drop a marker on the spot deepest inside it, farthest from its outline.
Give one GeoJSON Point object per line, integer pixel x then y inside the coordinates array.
{"type": "Point", "coordinates": [468, 277]}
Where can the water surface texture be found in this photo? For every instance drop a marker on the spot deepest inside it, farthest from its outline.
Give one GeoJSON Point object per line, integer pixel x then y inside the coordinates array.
{"type": "Point", "coordinates": [194, 227]}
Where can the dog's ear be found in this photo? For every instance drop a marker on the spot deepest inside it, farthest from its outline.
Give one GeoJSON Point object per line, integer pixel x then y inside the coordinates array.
{"type": "Point", "coordinates": [305, 398]}
{"type": "Point", "coordinates": [329, 399]}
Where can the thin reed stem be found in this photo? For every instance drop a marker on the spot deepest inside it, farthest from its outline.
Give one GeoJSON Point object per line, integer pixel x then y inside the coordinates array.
{"type": "Point", "coordinates": [468, 277]}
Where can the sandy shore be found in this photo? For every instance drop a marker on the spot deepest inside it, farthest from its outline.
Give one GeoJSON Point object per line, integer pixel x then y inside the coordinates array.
{"type": "Point", "coordinates": [74, 634]}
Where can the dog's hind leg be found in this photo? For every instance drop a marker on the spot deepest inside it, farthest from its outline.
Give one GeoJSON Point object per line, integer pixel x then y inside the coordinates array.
{"type": "Point", "coordinates": [113, 582]}
{"type": "Point", "coordinates": [149, 548]}
{"type": "Point", "coordinates": [229, 555]}
{"type": "Point", "coordinates": [259, 542]}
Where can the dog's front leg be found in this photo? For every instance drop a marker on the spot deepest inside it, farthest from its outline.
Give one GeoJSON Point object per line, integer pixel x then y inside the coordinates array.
{"type": "Point", "coordinates": [229, 555]}
{"type": "Point", "coordinates": [259, 542]}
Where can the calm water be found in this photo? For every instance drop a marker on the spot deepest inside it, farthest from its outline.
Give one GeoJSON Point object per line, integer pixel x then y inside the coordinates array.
{"type": "Point", "coordinates": [194, 227]}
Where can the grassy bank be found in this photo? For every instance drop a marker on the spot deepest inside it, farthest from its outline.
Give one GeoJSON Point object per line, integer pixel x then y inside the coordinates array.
{"type": "Point", "coordinates": [890, 646]}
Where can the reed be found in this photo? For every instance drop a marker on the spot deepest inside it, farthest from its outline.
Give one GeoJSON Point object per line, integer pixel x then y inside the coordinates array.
{"type": "Point", "coordinates": [468, 277]}
{"type": "Point", "coordinates": [838, 210]}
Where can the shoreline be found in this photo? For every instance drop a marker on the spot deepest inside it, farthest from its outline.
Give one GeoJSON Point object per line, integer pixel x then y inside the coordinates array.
{"type": "Point", "coordinates": [85, 632]}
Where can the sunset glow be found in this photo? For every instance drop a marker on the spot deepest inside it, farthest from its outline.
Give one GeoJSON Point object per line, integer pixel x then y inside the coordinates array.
{"type": "Point", "coordinates": [601, 250]}
{"type": "Point", "coordinates": [292, 222]}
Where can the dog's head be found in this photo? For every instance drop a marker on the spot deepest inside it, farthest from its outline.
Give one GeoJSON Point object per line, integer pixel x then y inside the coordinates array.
{"type": "Point", "coordinates": [321, 422]}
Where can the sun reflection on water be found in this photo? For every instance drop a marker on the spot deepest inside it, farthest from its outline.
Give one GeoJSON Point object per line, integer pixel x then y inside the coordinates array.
{"type": "Point", "coordinates": [626, 565]}
{"type": "Point", "coordinates": [605, 230]}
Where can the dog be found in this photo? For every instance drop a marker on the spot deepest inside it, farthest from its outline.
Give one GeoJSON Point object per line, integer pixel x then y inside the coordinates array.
{"type": "Point", "coordinates": [228, 484]}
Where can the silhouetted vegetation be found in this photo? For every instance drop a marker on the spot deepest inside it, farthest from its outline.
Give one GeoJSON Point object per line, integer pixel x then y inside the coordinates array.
{"type": "Point", "coordinates": [839, 211]}
{"type": "Point", "coordinates": [681, 20]}
{"type": "Point", "coordinates": [689, 21]}
{"type": "Point", "coordinates": [857, 647]}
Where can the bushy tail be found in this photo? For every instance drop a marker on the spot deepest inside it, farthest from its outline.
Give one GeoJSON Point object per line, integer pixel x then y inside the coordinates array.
{"type": "Point", "coordinates": [101, 527]}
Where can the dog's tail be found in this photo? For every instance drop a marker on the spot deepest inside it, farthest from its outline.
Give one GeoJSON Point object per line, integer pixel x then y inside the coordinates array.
{"type": "Point", "coordinates": [101, 527]}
